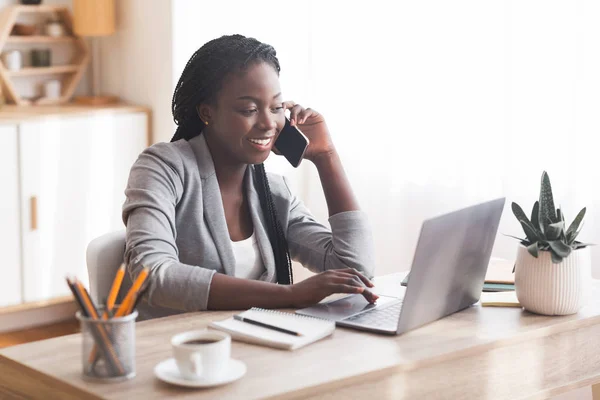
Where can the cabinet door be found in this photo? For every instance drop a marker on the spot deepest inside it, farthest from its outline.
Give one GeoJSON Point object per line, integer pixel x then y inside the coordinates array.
{"type": "Point", "coordinates": [10, 244]}
{"type": "Point", "coordinates": [74, 171]}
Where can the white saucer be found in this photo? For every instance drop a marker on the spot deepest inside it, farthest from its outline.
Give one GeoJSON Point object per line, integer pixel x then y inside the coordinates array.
{"type": "Point", "coordinates": [167, 371]}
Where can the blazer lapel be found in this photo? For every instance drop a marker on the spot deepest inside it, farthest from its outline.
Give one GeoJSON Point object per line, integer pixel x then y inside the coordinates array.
{"type": "Point", "coordinates": [214, 214]}
{"type": "Point", "coordinates": [259, 222]}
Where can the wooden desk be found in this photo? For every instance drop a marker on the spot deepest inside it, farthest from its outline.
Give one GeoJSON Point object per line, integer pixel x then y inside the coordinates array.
{"type": "Point", "coordinates": [479, 353]}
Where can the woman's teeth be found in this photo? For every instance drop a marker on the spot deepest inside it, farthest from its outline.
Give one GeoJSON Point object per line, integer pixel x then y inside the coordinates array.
{"type": "Point", "coordinates": [262, 142]}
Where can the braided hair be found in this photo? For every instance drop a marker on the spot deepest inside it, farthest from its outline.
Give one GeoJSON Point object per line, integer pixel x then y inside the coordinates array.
{"type": "Point", "coordinates": [199, 83]}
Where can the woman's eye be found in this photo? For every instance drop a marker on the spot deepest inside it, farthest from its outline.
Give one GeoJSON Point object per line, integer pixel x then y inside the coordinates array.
{"type": "Point", "coordinates": [277, 109]}
{"type": "Point", "coordinates": [249, 112]}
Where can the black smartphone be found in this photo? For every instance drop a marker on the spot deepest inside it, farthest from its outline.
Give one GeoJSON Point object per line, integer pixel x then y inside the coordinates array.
{"type": "Point", "coordinates": [291, 143]}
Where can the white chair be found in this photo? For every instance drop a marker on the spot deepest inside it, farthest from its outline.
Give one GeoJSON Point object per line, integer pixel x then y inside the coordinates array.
{"type": "Point", "coordinates": [104, 256]}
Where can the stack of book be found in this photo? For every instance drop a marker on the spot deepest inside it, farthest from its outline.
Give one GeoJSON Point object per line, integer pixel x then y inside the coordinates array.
{"type": "Point", "coordinates": [499, 276]}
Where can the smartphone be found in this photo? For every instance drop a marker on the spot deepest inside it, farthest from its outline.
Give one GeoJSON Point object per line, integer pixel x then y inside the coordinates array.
{"type": "Point", "coordinates": [292, 143]}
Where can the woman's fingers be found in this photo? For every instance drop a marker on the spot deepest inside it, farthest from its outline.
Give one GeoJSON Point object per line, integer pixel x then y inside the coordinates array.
{"type": "Point", "coordinates": [345, 280]}
{"type": "Point", "coordinates": [348, 279]}
{"type": "Point", "coordinates": [351, 271]}
{"type": "Point", "coordinates": [305, 114]}
{"type": "Point", "coordinates": [341, 288]}
{"type": "Point", "coordinates": [368, 295]}
{"type": "Point", "coordinates": [294, 113]}
{"type": "Point", "coordinates": [295, 110]}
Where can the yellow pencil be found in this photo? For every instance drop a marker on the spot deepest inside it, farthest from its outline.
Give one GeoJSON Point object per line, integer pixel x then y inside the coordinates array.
{"type": "Point", "coordinates": [129, 298]}
{"type": "Point", "coordinates": [114, 290]}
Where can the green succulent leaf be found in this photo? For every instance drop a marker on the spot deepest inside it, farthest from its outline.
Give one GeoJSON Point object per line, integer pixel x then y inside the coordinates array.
{"type": "Point", "coordinates": [530, 231]}
{"type": "Point", "coordinates": [576, 222]}
{"type": "Point", "coordinates": [547, 210]}
{"type": "Point", "coordinates": [519, 213]}
{"type": "Point", "coordinates": [554, 231]}
{"type": "Point", "coordinates": [578, 245]}
{"type": "Point", "coordinates": [556, 259]}
{"type": "Point", "coordinates": [524, 242]}
{"type": "Point", "coordinates": [560, 248]}
{"type": "Point", "coordinates": [573, 235]}
{"type": "Point", "coordinates": [533, 249]}
{"type": "Point", "coordinates": [535, 217]}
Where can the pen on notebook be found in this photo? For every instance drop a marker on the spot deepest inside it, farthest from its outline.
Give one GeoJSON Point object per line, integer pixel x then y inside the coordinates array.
{"type": "Point", "coordinates": [257, 323]}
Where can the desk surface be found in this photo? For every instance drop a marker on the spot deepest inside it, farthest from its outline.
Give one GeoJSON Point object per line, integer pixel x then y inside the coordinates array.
{"type": "Point", "coordinates": [484, 353]}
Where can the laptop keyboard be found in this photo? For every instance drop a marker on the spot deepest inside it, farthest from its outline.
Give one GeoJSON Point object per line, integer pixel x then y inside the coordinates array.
{"type": "Point", "coordinates": [378, 317]}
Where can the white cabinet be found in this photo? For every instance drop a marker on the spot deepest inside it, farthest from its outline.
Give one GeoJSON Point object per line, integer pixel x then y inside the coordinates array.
{"type": "Point", "coordinates": [73, 176]}
{"type": "Point", "coordinates": [10, 243]}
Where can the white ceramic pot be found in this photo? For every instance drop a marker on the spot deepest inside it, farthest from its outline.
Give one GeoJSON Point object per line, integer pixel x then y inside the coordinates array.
{"type": "Point", "coordinates": [553, 289]}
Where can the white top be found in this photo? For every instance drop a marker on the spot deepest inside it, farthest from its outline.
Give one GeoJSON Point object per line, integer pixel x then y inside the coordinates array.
{"type": "Point", "coordinates": [248, 263]}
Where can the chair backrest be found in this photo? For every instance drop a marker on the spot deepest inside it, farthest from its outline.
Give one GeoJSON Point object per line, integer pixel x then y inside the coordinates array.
{"type": "Point", "coordinates": [104, 257]}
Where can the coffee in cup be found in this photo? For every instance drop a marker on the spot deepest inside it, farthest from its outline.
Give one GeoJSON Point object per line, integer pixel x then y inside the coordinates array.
{"type": "Point", "coordinates": [201, 354]}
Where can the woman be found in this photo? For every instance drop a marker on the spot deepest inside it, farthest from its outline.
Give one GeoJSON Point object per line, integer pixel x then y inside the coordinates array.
{"type": "Point", "coordinates": [215, 229]}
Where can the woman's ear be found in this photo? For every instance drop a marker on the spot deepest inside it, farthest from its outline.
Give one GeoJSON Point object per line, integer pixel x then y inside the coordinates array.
{"type": "Point", "coordinates": [204, 112]}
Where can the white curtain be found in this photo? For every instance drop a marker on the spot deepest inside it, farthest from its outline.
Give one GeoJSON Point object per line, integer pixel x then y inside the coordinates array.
{"type": "Point", "coordinates": [434, 105]}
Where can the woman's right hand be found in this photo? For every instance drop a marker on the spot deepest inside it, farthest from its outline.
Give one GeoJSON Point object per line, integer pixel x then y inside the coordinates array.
{"type": "Point", "coordinates": [314, 289]}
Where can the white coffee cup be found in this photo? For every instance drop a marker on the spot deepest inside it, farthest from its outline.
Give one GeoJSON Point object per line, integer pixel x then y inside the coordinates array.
{"type": "Point", "coordinates": [202, 354]}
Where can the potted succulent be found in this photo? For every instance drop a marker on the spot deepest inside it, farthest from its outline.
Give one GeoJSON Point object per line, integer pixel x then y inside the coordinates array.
{"type": "Point", "coordinates": [553, 269]}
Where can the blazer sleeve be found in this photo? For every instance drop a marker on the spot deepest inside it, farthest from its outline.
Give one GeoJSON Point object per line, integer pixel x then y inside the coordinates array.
{"type": "Point", "coordinates": [154, 188]}
{"type": "Point", "coordinates": [348, 244]}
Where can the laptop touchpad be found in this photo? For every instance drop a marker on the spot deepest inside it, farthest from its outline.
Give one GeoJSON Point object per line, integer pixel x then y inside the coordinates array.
{"type": "Point", "coordinates": [343, 308]}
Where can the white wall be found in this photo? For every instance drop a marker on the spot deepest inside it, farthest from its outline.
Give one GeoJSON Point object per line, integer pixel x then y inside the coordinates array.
{"type": "Point", "coordinates": [435, 105]}
{"type": "Point", "coordinates": [137, 61]}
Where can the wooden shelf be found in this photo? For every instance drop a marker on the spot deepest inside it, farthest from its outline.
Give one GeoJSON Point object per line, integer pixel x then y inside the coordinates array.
{"type": "Point", "coordinates": [40, 8]}
{"type": "Point", "coordinates": [31, 71]}
{"type": "Point", "coordinates": [39, 39]}
{"type": "Point", "coordinates": [72, 72]}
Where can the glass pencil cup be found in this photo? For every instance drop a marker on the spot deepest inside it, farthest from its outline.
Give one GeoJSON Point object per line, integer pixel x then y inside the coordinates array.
{"type": "Point", "coordinates": [108, 347]}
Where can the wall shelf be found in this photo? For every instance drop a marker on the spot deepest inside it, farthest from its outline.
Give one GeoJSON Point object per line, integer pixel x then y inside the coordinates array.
{"type": "Point", "coordinates": [70, 74]}
{"type": "Point", "coordinates": [57, 69]}
{"type": "Point", "coordinates": [39, 39]}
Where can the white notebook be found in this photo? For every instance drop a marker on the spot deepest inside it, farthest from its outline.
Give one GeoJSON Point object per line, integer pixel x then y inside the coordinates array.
{"type": "Point", "coordinates": [312, 329]}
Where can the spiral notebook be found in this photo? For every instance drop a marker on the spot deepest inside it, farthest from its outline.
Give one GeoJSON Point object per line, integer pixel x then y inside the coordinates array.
{"type": "Point", "coordinates": [311, 329]}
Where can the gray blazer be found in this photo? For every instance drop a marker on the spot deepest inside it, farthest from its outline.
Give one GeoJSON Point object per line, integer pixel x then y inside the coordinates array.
{"type": "Point", "coordinates": [176, 226]}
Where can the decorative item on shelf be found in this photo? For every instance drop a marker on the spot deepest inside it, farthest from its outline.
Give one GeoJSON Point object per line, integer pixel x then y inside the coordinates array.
{"type": "Point", "coordinates": [54, 28]}
{"type": "Point", "coordinates": [95, 18]}
{"type": "Point", "coordinates": [52, 89]}
{"type": "Point", "coordinates": [40, 58]}
{"type": "Point", "coordinates": [13, 60]}
{"type": "Point", "coordinates": [69, 72]}
{"type": "Point", "coordinates": [23, 29]}
{"type": "Point", "coordinates": [553, 270]}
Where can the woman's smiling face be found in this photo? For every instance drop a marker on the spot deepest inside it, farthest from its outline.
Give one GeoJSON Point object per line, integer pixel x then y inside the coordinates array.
{"type": "Point", "coordinates": [247, 115]}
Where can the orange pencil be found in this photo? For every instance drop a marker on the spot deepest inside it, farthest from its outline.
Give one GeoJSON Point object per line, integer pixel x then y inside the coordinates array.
{"type": "Point", "coordinates": [114, 290]}
{"type": "Point", "coordinates": [129, 299]}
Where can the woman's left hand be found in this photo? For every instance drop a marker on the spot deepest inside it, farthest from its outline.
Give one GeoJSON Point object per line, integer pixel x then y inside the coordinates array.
{"type": "Point", "coordinates": [313, 125]}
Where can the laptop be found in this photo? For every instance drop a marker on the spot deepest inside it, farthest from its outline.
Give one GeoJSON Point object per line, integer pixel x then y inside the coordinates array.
{"type": "Point", "coordinates": [447, 275]}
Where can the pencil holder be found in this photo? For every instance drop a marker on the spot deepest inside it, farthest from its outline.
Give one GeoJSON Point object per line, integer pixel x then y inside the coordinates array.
{"type": "Point", "coordinates": [108, 347]}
